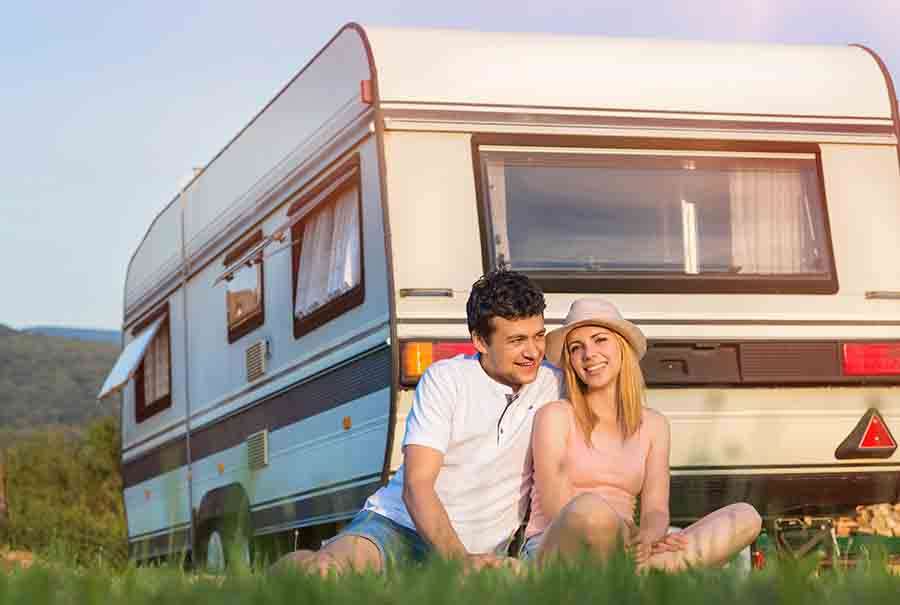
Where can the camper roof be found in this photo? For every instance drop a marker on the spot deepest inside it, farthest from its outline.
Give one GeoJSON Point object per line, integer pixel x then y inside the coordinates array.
{"type": "Point", "coordinates": [587, 72]}
{"type": "Point", "coordinates": [492, 74]}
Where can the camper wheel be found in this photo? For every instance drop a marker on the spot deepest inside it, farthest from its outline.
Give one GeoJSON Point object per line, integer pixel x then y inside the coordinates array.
{"type": "Point", "coordinates": [223, 543]}
{"type": "Point", "coordinates": [223, 530]}
{"type": "Point", "coordinates": [221, 549]}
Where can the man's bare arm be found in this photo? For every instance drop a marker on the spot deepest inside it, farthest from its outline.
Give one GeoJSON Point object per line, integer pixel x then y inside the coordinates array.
{"type": "Point", "coordinates": [421, 465]}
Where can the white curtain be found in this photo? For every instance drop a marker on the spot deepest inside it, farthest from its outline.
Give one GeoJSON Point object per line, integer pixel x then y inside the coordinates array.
{"type": "Point", "coordinates": [156, 366]}
{"type": "Point", "coordinates": [771, 233]}
{"type": "Point", "coordinates": [150, 373]}
{"type": "Point", "coordinates": [343, 271]}
{"type": "Point", "coordinates": [496, 178]}
{"type": "Point", "coordinates": [162, 361]}
{"type": "Point", "coordinates": [330, 254]}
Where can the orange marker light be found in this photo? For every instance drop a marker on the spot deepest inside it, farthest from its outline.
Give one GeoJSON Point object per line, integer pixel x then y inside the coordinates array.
{"type": "Point", "coordinates": [347, 423]}
{"type": "Point", "coordinates": [221, 468]}
{"type": "Point", "coordinates": [418, 355]}
{"type": "Point", "coordinates": [366, 93]}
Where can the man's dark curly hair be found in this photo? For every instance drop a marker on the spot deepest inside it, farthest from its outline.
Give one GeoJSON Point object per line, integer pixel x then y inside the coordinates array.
{"type": "Point", "coordinates": [502, 293]}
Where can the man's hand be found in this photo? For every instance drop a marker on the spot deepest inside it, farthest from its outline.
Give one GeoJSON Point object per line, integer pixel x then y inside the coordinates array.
{"type": "Point", "coordinates": [478, 562]}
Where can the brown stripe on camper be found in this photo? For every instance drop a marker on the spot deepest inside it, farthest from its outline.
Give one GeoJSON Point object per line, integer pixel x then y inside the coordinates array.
{"type": "Point", "coordinates": [329, 389]}
{"type": "Point", "coordinates": [162, 459]}
{"type": "Point", "coordinates": [776, 494]}
{"type": "Point", "coordinates": [347, 501]}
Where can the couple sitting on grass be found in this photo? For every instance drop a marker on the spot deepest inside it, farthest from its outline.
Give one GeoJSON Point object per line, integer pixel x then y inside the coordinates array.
{"type": "Point", "coordinates": [488, 432]}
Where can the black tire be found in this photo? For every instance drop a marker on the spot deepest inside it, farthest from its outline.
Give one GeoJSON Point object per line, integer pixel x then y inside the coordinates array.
{"type": "Point", "coordinates": [224, 544]}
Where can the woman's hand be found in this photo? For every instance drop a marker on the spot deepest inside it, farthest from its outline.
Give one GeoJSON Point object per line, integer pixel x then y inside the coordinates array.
{"type": "Point", "coordinates": [673, 542]}
{"type": "Point", "coordinates": [638, 544]}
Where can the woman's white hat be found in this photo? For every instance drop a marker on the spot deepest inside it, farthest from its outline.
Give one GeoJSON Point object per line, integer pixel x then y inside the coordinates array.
{"type": "Point", "coordinates": [594, 312]}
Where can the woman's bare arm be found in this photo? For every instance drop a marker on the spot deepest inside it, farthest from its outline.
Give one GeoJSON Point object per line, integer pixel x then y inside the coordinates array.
{"type": "Point", "coordinates": [549, 445]}
{"type": "Point", "coordinates": [655, 491]}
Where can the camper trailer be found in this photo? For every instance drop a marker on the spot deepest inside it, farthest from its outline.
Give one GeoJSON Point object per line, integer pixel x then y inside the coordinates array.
{"type": "Point", "coordinates": [740, 203]}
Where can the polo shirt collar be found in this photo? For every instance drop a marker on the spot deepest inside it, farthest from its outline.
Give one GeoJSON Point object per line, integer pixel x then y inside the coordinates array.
{"type": "Point", "coordinates": [502, 389]}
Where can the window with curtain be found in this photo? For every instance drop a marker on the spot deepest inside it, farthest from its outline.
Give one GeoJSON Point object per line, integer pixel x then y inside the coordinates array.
{"type": "Point", "coordinates": [662, 220]}
{"type": "Point", "coordinates": [244, 301]}
{"type": "Point", "coordinates": [327, 242]}
{"type": "Point", "coordinates": [152, 381]}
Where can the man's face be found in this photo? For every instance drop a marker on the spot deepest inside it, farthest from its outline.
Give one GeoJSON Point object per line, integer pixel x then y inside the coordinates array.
{"type": "Point", "coordinates": [513, 352]}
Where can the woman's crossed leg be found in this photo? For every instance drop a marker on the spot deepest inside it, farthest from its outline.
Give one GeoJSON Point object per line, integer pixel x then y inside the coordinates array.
{"type": "Point", "coordinates": [588, 521]}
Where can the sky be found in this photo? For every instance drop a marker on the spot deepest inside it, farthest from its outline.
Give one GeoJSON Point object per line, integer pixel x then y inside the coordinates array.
{"type": "Point", "coordinates": [107, 107]}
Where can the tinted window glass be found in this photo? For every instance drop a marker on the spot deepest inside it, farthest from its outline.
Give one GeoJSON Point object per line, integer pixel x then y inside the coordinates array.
{"type": "Point", "coordinates": [642, 212]}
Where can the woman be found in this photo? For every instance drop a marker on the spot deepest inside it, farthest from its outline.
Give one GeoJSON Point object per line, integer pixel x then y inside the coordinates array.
{"type": "Point", "coordinates": [596, 452]}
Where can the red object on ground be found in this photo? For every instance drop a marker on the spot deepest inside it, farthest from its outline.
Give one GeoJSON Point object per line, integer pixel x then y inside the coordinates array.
{"type": "Point", "coordinates": [758, 559]}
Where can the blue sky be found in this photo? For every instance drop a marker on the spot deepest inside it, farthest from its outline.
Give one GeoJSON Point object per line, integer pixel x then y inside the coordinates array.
{"type": "Point", "coordinates": [106, 107]}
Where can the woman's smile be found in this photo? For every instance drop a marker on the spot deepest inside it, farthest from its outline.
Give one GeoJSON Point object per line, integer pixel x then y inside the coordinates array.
{"type": "Point", "coordinates": [596, 368]}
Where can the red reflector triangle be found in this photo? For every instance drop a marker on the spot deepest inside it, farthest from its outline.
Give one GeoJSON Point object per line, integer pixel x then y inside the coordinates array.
{"type": "Point", "coordinates": [877, 435]}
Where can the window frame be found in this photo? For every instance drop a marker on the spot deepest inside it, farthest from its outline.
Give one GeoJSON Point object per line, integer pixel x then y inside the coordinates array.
{"type": "Point", "coordinates": [258, 319]}
{"type": "Point", "coordinates": [142, 409]}
{"type": "Point", "coordinates": [356, 295]}
{"type": "Point", "coordinates": [657, 282]}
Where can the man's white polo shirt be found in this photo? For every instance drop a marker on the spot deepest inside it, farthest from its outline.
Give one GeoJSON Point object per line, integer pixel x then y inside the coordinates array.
{"type": "Point", "coordinates": [484, 432]}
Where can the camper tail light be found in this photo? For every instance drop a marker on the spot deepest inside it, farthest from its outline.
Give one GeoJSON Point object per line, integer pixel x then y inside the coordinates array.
{"type": "Point", "coordinates": [417, 355]}
{"type": "Point", "coordinates": [871, 358]}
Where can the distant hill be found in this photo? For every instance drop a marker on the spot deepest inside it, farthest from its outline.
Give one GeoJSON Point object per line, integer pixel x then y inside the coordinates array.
{"type": "Point", "coordinates": [51, 381]}
{"type": "Point", "coordinates": [110, 336]}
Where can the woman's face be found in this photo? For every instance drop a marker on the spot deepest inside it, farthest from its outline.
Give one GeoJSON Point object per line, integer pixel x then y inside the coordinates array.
{"type": "Point", "coordinates": [595, 356]}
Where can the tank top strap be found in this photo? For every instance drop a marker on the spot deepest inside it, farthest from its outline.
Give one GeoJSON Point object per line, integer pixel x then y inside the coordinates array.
{"type": "Point", "coordinates": [644, 435]}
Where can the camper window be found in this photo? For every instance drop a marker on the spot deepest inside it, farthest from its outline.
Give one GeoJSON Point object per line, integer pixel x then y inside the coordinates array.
{"type": "Point", "coordinates": [658, 220]}
{"type": "Point", "coordinates": [153, 378]}
{"type": "Point", "coordinates": [327, 259]}
{"type": "Point", "coordinates": [244, 301]}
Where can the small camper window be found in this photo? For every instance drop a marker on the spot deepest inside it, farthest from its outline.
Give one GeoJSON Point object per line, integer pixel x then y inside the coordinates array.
{"type": "Point", "coordinates": [153, 378]}
{"type": "Point", "coordinates": [659, 220]}
{"type": "Point", "coordinates": [327, 251]}
{"type": "Point", "coordinates": [245, 308]}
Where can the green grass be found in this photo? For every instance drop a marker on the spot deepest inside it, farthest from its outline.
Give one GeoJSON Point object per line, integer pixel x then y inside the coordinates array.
{"type": "Point", "coordinates": [442, 583]}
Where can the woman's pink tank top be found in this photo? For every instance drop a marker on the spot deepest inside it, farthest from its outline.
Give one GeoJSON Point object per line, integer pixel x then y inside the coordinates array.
{"type": "Point", "coordinates": [614, 470]}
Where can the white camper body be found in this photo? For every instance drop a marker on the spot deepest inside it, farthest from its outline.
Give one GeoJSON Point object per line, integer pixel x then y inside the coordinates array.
{"type": "Point", "coordinates": [441, 154]}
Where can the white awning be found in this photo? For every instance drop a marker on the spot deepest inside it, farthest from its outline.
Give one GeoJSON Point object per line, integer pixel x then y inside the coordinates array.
{"type": "Point", "coordinates": [129, 360]}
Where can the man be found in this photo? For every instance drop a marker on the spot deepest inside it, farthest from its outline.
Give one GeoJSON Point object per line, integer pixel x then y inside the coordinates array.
{"type": "Point", "coordinates": [464, 485]}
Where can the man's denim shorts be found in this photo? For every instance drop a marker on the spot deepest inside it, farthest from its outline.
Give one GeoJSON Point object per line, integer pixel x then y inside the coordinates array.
{"type": "Point", "coordinates": [395, 542]}
{"type": "Point", "coordinates": [529, 550]}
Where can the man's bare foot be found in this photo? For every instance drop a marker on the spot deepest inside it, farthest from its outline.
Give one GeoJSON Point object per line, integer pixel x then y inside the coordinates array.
{"type": "Point", "coordinates": [319, 563]}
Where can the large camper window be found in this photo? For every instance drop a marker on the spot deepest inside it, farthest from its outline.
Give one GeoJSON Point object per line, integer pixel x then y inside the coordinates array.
{"type": "Point", "coordinates": [327, 244]}
{"type": "Point", "coordinates": [244, 297]}
{"type": "Point", "coordinates": [658, 220]}
{"type": "Point", "coordinates": [153, 378]}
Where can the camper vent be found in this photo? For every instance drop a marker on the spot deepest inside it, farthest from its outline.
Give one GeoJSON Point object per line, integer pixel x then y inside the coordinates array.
{"type": "Point", "coordinates": [256, 359]}
{"type": "Point", "coordinates": [258, 449]}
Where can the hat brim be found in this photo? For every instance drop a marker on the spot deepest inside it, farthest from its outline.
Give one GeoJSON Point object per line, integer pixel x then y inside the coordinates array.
{"type": "Point", "coordinates": [631, 333]}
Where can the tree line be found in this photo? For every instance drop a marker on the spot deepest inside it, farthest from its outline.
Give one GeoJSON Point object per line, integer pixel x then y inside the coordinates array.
{"type": "Point", "coordinates": [64, 494]}
{"type": "Point", "coordinates": [61, 448]}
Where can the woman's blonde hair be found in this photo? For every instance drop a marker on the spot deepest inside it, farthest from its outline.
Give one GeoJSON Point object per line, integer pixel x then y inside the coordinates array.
{"type": "Point", "coordinates": [629, 392]}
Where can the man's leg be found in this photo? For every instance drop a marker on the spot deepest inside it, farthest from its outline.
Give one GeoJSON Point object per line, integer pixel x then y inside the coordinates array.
{"type": "Point", "coordinates": [346, 553]}
{"type": "Point", "coordinates": [587, 521]}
